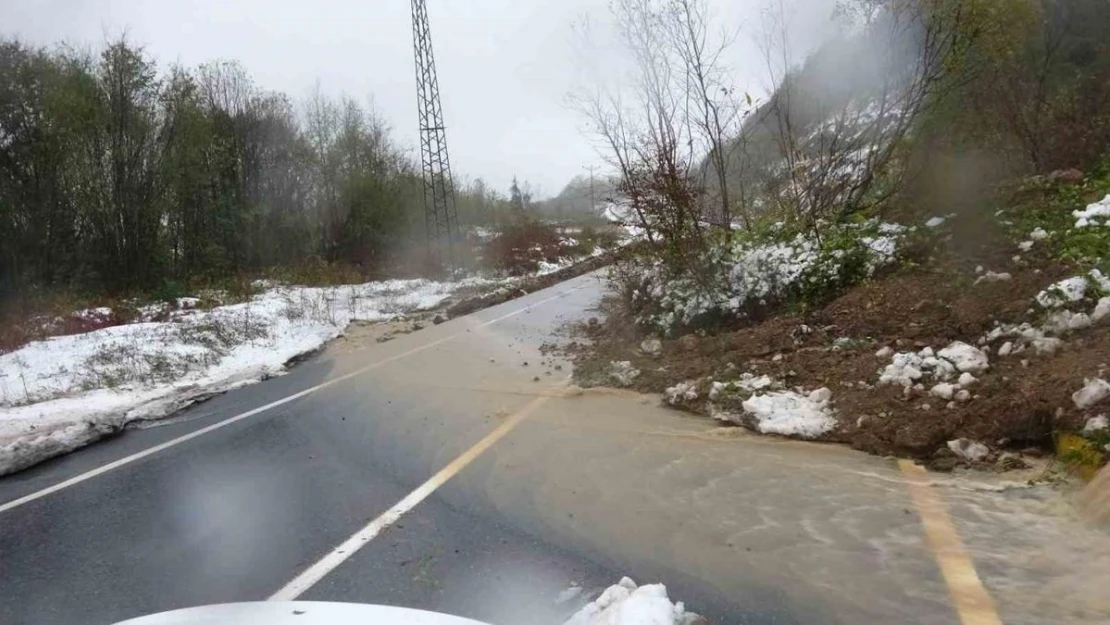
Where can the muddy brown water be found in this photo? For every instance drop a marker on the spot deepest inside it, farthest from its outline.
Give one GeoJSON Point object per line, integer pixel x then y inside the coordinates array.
{"type": "Point", "coordinates": [1094, 501]}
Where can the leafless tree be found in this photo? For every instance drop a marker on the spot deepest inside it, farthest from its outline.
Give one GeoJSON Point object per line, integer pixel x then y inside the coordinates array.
{"type": "Point", "coordinates": [677, 110]}
{"type": "Point", "coordinates": [712, 107]}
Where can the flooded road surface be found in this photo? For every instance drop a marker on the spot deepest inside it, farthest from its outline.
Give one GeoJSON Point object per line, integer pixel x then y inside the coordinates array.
{"type": "Point", "coordinates": [509, 497]}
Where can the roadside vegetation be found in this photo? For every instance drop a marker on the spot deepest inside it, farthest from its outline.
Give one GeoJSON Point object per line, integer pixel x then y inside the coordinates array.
{"type": "Point", "coordinates": [124, 184]}
{"type": "Point", "coordinates": [903, 248]}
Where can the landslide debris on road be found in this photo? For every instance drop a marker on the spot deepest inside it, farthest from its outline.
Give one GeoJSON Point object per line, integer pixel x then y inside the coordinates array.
{"type": "Point", "coordinates": [947, 358]}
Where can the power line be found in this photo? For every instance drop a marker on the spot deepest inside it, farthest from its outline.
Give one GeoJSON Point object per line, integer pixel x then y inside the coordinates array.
{"type": "Point", "coordinates": [593, 200]}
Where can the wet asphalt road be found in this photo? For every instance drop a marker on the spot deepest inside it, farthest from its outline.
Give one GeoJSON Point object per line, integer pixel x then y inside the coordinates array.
{"type": "Point", "coordinates": [591, 487]}
{"type": "Point", "coordinates": [235, 514]}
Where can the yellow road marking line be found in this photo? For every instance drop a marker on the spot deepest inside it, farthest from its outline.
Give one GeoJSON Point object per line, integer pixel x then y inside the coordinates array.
{"type": "Point", "coordinates": [313, 574]}
{"type": "Point", "coordinates": [970, 598]}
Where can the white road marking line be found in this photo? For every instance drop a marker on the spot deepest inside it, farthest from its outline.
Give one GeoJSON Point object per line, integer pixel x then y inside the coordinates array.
{"type": "Point", "coordinates": [313, 574]}
{"type": "Point", "coordinates": [77, 479]}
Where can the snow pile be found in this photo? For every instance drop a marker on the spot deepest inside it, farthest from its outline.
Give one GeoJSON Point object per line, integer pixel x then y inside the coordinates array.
{"type": "Point", "coordinates": [1101, 311]}
{"type": "Point", "coordinates": [969, 450]}
{"type": "Point", "coordinates": [622, 372]}
{"type": "Point", "coordinates": [1094, 391]}
{"type": "Point", "coordinates": [681, 393]}
{"type": "Point", "coordinates": [910, 369]}
{"type": "Point", "coordinates": [1038, 234]}
{"type": "Point", "coordinates": [1060, 298]}
{"type": "Point", "coordinates": [62, 393]}
{"type": "Point", "coordinates": [1096, 424]}
{"type": "Point", "coordinates": [1099, 280]}
{"type": "Point", "coordinates": [1097, 214]}
{"type": "Point", "coordinates": [792, 414]}
{"type": "Point", "coordinates": [747, 382]}
{"type": "Point", "coordinates": [628, 604]}
{"type": "Point", "coordinates": [935, 222]}
{"type": "Point", "coordinates": [966, 358]}
{"type": "Point", "coordinates": [1066, 321]}
{"type": "Point", "coordinates": [944, 390]}
{"type": "Point", "coordinates": [1066, 291]}
{"type": "Point", "coordinates": [1024, 336]}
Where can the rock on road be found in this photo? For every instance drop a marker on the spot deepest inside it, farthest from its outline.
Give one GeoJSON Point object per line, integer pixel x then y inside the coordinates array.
{"type": "Point", "coordinates": [579, 490]}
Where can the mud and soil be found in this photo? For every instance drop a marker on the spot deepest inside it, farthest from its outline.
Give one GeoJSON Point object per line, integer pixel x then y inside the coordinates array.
{"type": "Point", "coordinates": [1018, 404]}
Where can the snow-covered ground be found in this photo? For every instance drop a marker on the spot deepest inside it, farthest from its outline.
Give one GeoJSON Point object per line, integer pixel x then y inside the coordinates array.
{"type": "Point", "coordinates": [64, 392]}
{"type": "Point", "coordinates": [567, 261]}
{"type": "Point", "coordinates": [759, 271]}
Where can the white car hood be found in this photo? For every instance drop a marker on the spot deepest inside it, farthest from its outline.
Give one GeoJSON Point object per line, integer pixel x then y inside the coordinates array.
{"type": "Point", "coordinates": [298, 613]}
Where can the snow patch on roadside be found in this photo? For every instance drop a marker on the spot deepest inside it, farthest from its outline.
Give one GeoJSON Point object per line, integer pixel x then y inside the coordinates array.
{"type": "Point", "coordinates": [629, 604]}
{"type": "Point", "coordinates": [792, 414]}
{"type": "Point", "coordinates": [62, 393]}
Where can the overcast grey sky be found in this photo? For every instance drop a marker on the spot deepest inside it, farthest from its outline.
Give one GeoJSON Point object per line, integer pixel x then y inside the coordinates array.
{"type": "Point", "coordinates": [505, 66]}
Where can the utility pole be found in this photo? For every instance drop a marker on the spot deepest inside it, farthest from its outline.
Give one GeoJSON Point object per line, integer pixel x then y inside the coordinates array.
{"type": "Point", "coordinates": [441, 222]}
{"type": "Point", "coordinates": [593, 200]}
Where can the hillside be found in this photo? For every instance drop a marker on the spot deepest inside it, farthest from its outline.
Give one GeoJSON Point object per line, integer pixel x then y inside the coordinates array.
{"type": "Point", "coordinates": [1030, 96]}
{"type": "Point", "coordinates": [916, 262]}
{"type": "Point", "coordinates": [579, 199]}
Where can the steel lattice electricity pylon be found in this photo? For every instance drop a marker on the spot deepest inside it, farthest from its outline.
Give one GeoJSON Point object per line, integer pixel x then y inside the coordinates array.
{"type": "Point", "coordinates": [440, 216]}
